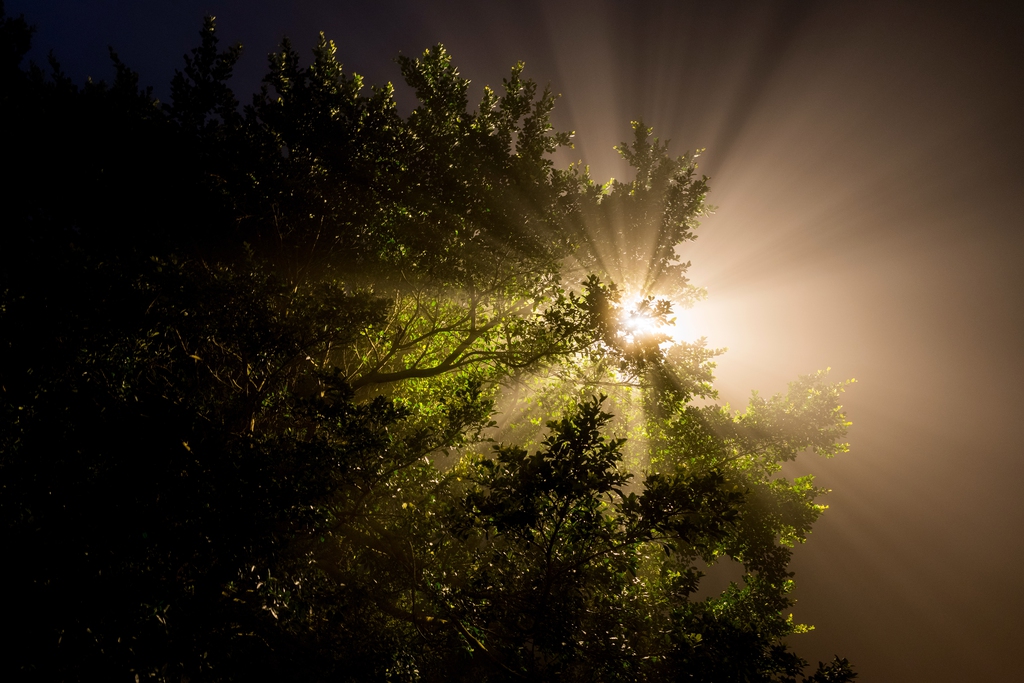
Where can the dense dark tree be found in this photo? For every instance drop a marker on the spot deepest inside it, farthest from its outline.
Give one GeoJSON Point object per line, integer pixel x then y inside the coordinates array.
{"type": "Point", "coordinates": [251, 360]}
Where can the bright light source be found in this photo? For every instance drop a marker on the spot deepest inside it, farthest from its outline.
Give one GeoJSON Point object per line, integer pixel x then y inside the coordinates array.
{"type": "Point", "coordinates": [648, 319]}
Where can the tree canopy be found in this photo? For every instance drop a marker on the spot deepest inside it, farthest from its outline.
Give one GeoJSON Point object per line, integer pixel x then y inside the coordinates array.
{"type": "Point", "coordinates": [307, 389]}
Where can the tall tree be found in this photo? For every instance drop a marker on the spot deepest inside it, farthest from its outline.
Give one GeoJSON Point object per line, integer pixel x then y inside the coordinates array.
{"type": "Point", "coordinates": [251, 361]}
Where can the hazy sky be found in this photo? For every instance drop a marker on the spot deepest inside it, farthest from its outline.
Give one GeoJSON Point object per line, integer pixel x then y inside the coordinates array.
{"type": "Point", "coordinates": [867, 159]}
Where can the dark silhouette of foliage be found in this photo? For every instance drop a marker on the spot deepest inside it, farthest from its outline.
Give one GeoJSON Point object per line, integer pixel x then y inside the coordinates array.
{"type": "Point", "coordinates": [250, 361]}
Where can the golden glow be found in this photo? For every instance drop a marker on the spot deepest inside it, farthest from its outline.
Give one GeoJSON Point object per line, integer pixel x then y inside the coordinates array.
{"type": "Point", "coordinates": [651, 319]}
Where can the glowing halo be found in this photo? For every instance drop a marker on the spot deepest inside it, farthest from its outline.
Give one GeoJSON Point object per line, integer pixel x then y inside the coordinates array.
{"type": "Point", "coordinates": [646, 318]}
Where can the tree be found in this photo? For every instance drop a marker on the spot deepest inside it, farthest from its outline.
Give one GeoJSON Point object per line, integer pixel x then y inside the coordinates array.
{"type": "Point", "coordinates": [251, 363]}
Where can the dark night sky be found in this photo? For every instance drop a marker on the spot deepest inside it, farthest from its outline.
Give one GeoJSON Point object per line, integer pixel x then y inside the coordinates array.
{"type": "Point", "coordinates": [868, 162]}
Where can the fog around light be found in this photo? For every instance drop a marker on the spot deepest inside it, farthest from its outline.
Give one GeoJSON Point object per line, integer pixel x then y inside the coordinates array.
{"type": "Point", "coordinates": [866, 161]}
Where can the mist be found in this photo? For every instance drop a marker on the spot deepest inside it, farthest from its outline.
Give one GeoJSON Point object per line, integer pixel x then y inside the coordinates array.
{"type": "Point", "coordinates": [866, 162]}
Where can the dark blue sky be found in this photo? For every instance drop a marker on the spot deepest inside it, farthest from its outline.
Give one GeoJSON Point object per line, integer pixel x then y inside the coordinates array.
{"type": "Point", "coordinates": [868, 161]}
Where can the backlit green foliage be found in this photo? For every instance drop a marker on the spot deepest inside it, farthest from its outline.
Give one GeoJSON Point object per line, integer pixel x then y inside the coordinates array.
{"type": "Point", "coordinates": [309, 390]}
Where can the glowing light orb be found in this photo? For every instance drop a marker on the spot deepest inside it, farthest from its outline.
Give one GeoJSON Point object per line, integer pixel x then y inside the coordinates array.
{"type": "Point", "coordinates": [644, 320]}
